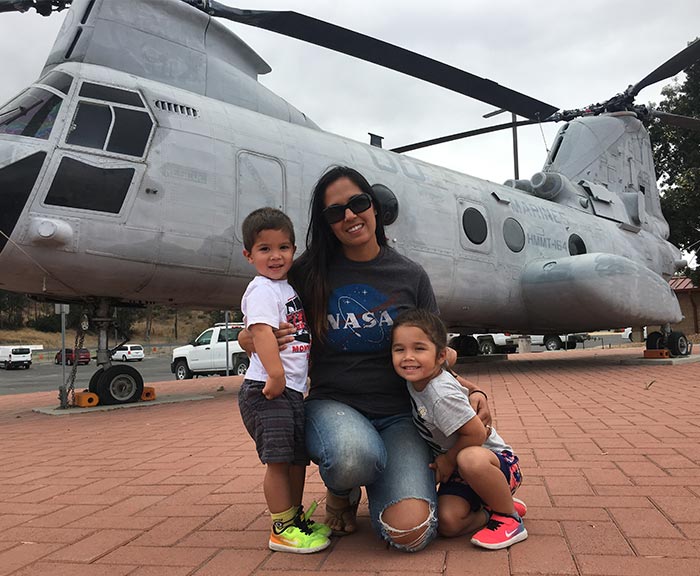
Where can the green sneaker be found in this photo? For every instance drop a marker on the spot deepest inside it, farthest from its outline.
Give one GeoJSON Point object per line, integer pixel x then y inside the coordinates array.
{"type": "Point", "coordinates": [297, 538]}
{"type": "Point", "coordinates": [316, 527]}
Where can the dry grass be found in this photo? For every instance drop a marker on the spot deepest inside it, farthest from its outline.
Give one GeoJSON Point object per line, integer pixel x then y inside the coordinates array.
{"type": "Point", "coordinates": [190, 325]}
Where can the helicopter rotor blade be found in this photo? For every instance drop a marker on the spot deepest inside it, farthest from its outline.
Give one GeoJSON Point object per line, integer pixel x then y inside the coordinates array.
{"type": "Point", "coordinates": [676, 120]}
{"type": "Point", "coordinates": [671, 67]}
{"type": "Point", "coordinates": [370, 49]}
{"type": "Point", "coordinates": [468, 134]}
{"type": "Point", "coordinates": [43, 7]}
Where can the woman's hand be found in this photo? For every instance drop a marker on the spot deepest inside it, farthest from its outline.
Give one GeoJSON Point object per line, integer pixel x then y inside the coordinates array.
{"type": "Point", "coordinates": [283, 334]}
{"type": "Point", "coordinates": [480, 404]}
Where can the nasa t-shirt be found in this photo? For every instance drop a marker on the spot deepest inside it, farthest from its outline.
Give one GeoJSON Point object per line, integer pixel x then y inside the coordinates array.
{"type": "Point", "coordinates": [354, 365]}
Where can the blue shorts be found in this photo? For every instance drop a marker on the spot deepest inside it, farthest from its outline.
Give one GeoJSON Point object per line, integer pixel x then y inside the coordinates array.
{"type": "Point", "coordinates": [456, 486]}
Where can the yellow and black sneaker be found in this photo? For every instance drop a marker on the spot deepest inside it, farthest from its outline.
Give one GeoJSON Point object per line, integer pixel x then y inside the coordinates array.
{"type": "Point", "coordinates": [316, 527]}
{"type": "Point", "coordinates": [296, 537]}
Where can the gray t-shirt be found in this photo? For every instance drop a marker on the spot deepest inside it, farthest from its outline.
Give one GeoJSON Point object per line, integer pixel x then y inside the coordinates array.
{"type": "Point", "coordinates": [442, 408]}
{"type": "Point", "coordinates": [353, 365]}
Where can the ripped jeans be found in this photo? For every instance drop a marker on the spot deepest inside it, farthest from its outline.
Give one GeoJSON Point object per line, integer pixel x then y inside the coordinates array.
{"type": "Point", "coordinates": [386, 455]}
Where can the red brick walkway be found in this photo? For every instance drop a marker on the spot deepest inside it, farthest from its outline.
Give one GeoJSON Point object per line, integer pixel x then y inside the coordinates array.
{"type": "Point", "coordinates": [609, 452]}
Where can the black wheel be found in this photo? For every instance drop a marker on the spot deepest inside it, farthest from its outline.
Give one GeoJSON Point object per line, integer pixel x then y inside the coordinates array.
{"type": "Point", "coordinates": [487, 347]}
{"type": "Point", "coordinates": [120, 385]}
{"type": "Point", "coordinates": [69, 362]}
{"type": "Point", "coordinates": [123, 358]}
{"type": "Point", "coordinates": [92, 387]}
{"type": "Point", "coordinates": [465, 345]}
{"type": "Point", "coordinates": [552, 343]}
{"type": "Point", "coordinates": [240, 364]}
{"type": "Point", "coordinates": [56, 360]}
{"type": "Point", "coordinates": [655, 341]}
{"type": "Point", "coordinates": [678, 344]}
{"type": "Point", "coordinates": [182, 370]}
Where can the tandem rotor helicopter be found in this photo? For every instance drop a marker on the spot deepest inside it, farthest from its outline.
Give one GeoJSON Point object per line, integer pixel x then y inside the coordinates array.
{"type": "Point", "coordinates": [127, 168]}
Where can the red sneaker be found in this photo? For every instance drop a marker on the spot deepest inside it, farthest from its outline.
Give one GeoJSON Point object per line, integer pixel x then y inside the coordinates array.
{"type": "Point", "coordinates": [500, 532]}
{"type": "Point", "coordinates": [520, 507]}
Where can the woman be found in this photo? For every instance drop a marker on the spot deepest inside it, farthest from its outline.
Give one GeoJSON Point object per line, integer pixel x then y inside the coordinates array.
{"type": "Point", "coordinates": [359, 428]}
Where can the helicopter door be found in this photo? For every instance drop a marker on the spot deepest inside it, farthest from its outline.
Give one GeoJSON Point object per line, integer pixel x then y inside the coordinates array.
{"type": "Point", "coordinates": [261, 182]}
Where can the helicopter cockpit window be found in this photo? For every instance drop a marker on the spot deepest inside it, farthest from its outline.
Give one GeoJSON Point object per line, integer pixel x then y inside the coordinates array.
{"type": "Point", "coordinates": [100, 92]}
{"type": "Point", "coordinates": [389, 203]}
{"type": "Point", "coordinates": [58, 80]}
{"type": "Point", "coordinates": [130, 132]}
{"type": "Point", "coordinates": [474, 225]}
{"type": "Point", "coordinates": [80, 185]}
{"type": "Point", "coordinates": [112, 128]}
{"type": "Point", "coordinates": [90, 125]}
{"type": "Point", "coordinates": [32, 114]}
{"type": "Point", "coordinates": [576, 245]}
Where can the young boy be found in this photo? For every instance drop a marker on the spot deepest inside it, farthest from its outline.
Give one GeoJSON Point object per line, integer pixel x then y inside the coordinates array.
{"type": "Point", "coordinates": [272, 395]}
{"type": "Point", "coordinates": [477, 470]}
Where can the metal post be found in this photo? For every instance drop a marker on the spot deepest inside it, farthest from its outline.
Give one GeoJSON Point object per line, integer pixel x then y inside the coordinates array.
{"type": "Point", "coordinates": [62, 392]}
{"type": "Point", "coordinates": [515, 146]}
{"type": "Point", "coordinates": [228, 358]}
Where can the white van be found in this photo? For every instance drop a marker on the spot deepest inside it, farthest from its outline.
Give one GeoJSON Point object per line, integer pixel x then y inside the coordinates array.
{"type": "Point", "coordinates": [128, 352]}
{"type": "Point", "coordinates": [15, 357]}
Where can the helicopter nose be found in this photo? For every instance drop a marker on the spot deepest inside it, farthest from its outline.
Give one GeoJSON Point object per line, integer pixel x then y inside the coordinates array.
{"type": "Point", "coordinates": [17, 179]}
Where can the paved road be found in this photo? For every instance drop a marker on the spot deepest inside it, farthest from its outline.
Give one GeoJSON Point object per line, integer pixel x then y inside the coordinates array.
{"type": "Point", "coordinates": [42, 377]}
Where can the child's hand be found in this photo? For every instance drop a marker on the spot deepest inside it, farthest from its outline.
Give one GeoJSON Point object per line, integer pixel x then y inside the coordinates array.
{"type": "Point", "coordinates": [444, 467]}
{"type": "Point", "coordinates": [274, 387]}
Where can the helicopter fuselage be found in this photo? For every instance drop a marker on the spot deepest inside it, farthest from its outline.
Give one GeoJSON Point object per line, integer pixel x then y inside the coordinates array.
{"type": "Point", "coordinates": [135, 191]}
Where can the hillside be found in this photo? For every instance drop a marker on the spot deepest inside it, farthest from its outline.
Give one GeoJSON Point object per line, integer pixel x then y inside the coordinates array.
{"type": "Point", "coordinates": [190, 325]}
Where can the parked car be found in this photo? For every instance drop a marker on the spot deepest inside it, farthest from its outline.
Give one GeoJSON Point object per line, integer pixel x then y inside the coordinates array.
{"type": "Point", "coordinates": [83, 356]}
{"type": "Point", "coordinates": [128, 352]}
{"type": "Point", "coordinates": [556, 341]}
{"type": "Point", "coordinates": [206, 354]}
{"type": "Point", "coordinates": [627, 334]}
{"type": "Point", "coordinates": [15, 357]}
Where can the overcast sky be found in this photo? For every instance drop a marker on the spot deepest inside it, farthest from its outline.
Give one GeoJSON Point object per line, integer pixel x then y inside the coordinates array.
{"type": "Point", "coordinates": [566, 53]}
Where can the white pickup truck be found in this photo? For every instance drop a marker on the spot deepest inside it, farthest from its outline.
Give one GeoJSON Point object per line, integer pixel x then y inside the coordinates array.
{"type": "Point", "coordinates": [206, 354]}
{"type": "Point", "coordinates": [15, 357]}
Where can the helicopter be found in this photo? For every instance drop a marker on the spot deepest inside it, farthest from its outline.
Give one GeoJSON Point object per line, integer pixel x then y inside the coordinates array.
{"type": "Point", "coordinates": [127, 168]}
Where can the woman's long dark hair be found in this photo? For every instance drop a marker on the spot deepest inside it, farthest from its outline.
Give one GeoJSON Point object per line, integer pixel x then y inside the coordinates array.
{"type": "Point", "coordinates": [309, 275]}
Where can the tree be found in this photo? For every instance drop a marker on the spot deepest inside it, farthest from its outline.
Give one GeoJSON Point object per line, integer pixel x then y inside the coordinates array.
{"type": "Point", "coordinates": [12, 310]}
{"type": "Point", "coordinates": [677, 158]}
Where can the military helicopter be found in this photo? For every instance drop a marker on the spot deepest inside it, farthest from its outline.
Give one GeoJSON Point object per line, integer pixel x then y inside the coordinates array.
{"type": "Point", "coordinates": [127, 168]}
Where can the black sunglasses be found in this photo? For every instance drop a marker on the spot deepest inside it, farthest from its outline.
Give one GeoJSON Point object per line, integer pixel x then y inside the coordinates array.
{"type": "Point", "coordinates": [358, 203]}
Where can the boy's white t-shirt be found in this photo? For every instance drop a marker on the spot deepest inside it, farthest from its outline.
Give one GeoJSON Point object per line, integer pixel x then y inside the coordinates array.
{"type": "Point", "coordinates": [270, 302]}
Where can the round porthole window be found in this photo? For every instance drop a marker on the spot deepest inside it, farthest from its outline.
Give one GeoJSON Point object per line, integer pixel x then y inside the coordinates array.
{"type": "Point", "coordinates": [474, 225]}
{"type": "Point", "coordinates": [513, 234]}
{"type": "Point", "coordinates": [389, 203]}
{"type": "Point", "coordinates": [576, 245]}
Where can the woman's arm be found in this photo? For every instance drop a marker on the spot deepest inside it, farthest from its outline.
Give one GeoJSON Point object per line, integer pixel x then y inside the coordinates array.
{"type": "Point", "coordinates": [477, 397]}
{"type": "Point", "coordinates": [283, 335]}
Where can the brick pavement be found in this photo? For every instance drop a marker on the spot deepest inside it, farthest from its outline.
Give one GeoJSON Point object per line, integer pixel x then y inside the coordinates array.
{"type": "Point", "coordinates": [609, 453]}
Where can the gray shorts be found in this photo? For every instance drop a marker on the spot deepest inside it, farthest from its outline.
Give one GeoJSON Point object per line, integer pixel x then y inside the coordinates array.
{"type": "Point", "coordinates": [276, 425]}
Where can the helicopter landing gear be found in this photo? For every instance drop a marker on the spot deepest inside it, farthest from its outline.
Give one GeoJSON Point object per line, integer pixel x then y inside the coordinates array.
{"type": "Point", "coordinates": [465, 345]}
{"type": "Point", "coordinates": [113, 384]}
{"type": "Point", "coordinates": [676, 342]}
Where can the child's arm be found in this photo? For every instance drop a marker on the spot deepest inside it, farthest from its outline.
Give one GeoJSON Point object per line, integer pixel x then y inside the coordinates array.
{"type": "Point", "coordinates": [471, 433]}
{"type": "Point", "coordinates": [267, 350]}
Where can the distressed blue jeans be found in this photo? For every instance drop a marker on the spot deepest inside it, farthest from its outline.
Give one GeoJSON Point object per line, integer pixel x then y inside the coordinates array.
{"type": "Point", "coordinates": [386, 455]}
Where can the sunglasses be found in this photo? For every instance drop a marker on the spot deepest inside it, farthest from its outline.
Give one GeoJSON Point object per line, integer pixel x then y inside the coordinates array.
{"type": "Point", "coordinates": [336, 212]}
